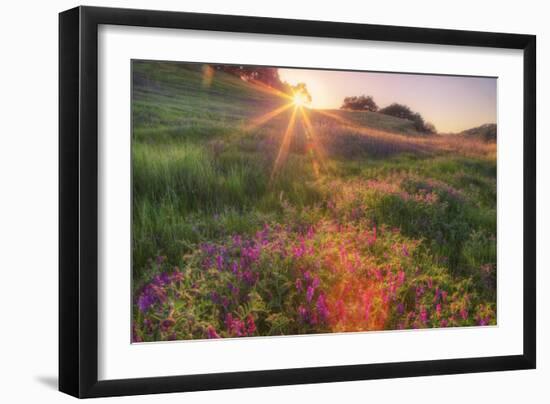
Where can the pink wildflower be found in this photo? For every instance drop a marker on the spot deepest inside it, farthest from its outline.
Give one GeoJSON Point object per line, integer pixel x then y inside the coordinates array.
{"type": "Point", "coordinates": [211, 332]}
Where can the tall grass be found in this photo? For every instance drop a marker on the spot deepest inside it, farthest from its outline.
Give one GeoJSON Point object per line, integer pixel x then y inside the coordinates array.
{"type": "Point", "coordinates": [203, 175]}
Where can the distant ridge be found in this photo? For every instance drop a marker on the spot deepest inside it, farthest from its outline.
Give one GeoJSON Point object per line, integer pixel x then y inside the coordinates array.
{"type": "Point", "coordinates": [486, 132]}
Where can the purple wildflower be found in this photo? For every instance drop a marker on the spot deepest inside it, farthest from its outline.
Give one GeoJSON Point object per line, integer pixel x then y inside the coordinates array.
{"type": "Point", "coordinates": [400, 308]}
{"type": "Point", "coordinates": [322, 308]}
{"type": "Point", "coordinates": [219, 262]}
{"type": "Point", "coordinates": [302, 311]}
{"type": "Point", "coordinates": [315, 282]}
{"type": "Point", "coordinates": [215, 297]}
{"type": "Point", "coordinates": [309, 293]}
{"type": "Point", "coordinates": [145, 301]}
{"type": "Point", "coordinates": [150, 295]}
{"type": "Point", "coordinates": [166, 324]}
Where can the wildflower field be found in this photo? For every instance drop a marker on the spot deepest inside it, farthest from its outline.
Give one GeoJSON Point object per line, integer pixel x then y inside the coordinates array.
{"type": "Point", "coordinates": [257, 216]}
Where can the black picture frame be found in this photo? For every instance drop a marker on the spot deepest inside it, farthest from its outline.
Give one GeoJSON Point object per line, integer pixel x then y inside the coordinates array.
{"type": "Point", "coordinates": [78, 201]}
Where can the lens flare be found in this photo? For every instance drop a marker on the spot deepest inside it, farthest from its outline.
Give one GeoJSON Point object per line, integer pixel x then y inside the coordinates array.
{"type": "Point", "coordinates": [299, 99]}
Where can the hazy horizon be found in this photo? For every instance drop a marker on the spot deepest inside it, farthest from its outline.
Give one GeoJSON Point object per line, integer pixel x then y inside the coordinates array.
{"type": "Point", "coordinates": [451, 103]}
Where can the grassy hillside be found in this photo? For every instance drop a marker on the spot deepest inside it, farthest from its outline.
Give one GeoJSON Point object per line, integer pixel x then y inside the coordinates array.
{"type": "Point", "coordinates": [486, 132]}
{"type": "Point", "coordinates": [304, 213]}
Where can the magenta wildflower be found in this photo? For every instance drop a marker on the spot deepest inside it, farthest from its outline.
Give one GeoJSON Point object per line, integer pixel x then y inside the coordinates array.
{"type": "Point", "coordinates": [309, 293]}
{"type": "Point", "coordinates": [228, 320]}
{"type": "Point", "coordinates": [211, 332]}
{"type": "Point", "coordinates": [315, 282]}
{"type": "Point", "coordinates": [299, 251]}
{"type": "Point", "coordinates": [401, 277]}
{"type": "Point", "coordinates": [484, 320]}
{"type": "Point", "coordinates": [234, 325]}
{"type": "Point", "coordinates": [250, 325]}
{"type": "Point", "coordinates": [444, 296]}
{"type": "Point", "coordinates": [423, 314]}
{"type": "Point", "coordinates": [177, 276]}
{"type": "Point", "coordinates": [237, 240]}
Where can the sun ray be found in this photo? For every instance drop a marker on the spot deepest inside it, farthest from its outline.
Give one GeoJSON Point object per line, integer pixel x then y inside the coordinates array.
{"type": "Point", "coordinates": [338, 118]}
{"type": "Point", "coordinates": [319, 155]}
{"type": "Point", "coordinates": [266, 117]}
{"type": "Point", "coordinates": [285, 143]}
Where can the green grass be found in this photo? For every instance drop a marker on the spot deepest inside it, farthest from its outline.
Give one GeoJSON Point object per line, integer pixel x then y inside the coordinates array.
{"type": "Point", "coordinates": [201, 174]}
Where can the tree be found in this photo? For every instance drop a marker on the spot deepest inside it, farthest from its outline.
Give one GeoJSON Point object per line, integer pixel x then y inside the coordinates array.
{"type": "Point", "coordinates": [399, 111]}
{"type": "Point", "coordinates": [300, 88]}
{"type": "Point", "coordinates": [404, 112]}
{"type": "Point", "coordinates": [361, 103]}
{"type": "Point", "coordinates": [430, 128]}
{"type": "Point", "coordinates": [265, 75]}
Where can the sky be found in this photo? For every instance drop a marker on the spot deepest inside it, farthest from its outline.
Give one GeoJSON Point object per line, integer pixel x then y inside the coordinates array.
{"type": "Point", "coordinates": [451, 103]}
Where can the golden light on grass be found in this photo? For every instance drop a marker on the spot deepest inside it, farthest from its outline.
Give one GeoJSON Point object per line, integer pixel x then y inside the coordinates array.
{"type": "Point", "coordinates": [267, 117]}
{"type": "Point", "coordinates": [317, 151]}
{"type": "Point", "coordinates": [285, 144]}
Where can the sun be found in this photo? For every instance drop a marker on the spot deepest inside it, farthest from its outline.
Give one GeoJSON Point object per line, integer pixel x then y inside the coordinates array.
{"type": "Point", "coordinates": [299, 99]}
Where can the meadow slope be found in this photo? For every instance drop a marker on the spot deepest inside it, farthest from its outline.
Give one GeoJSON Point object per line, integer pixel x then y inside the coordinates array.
{"type": "Point", "coordinates": [254, 217]}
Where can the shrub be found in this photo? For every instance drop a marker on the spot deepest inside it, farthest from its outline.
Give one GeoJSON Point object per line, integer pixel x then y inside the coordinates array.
{"type": "Point", "coordinates": [361, 103]}
{"type": "Point", "coordinates": [399, 111]}
{"type": "Point", "coordinates": [404, 112]}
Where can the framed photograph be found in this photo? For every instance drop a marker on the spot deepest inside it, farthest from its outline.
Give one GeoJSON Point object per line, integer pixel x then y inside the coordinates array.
{"type": "Point", "coordinates": [250, 201]}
